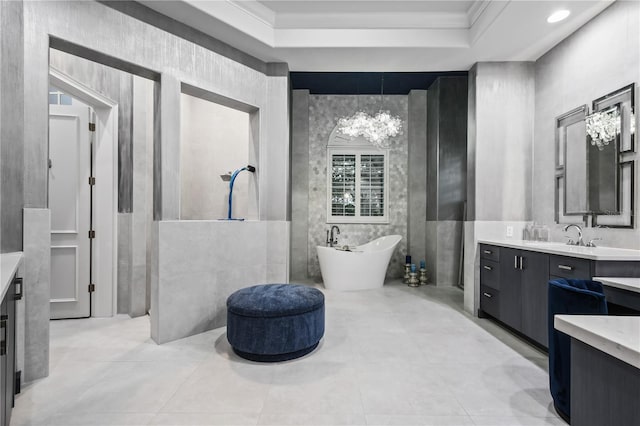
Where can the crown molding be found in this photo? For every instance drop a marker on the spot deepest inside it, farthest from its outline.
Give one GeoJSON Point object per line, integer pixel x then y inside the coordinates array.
{"type": "Point", "coordinates": [475, 11]}
{"type": "Point", "coordinates": [393, 20]}
{"type": "Point", "coordinates": [256, 10]}
{"type": "Point", "coordinates": [371, 38]}
{"type": "Point", "coordinates": [375, 40]}
{"type": "Point", "coordinates": [246, 19]}
{"type": "Point", "coordinates": [484, 17]}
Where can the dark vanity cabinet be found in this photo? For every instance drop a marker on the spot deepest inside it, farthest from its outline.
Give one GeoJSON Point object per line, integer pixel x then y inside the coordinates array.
{"type": "Point", "coordinates": [8, 352]}
{"type": "Point", "coordinates": [514, 291]}
{"type": "Point", "coordinates": [521, 279]}
{"type": "Point", "coordinates": [513, 285]}
{"type": "Point", "coordinates": [525, 275]}
{"type": "Point", "coordinates": [490, 280]}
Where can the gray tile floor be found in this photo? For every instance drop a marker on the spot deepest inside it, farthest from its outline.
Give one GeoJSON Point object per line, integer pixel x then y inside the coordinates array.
{"type": "Point", "coordinates": [392, 356]}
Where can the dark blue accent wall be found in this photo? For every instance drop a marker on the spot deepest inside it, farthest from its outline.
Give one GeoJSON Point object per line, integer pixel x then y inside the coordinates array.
{"type": "Point", "coordinates": [366, 83]}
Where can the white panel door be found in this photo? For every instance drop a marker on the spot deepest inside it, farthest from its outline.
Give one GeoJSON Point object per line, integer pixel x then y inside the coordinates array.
{"type": "Point", "coordinates": [69, 202]}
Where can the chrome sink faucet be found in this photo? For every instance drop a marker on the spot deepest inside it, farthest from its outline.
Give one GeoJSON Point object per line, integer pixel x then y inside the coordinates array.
{"type": "Point", "coordinates": [333, 238]}
{"type": "Point", "coordinates": [579, 229]}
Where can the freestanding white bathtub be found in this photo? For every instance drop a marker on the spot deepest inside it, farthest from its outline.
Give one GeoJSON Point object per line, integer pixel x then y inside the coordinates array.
{"type": "Point", "coordinates": [363, 267]}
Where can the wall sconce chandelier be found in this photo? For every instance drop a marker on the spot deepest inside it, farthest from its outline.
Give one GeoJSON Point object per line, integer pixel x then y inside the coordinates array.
{"type": "Point", "coordinates": [376, 129]}
{"type": "Point", "coordinates": [604, 126]}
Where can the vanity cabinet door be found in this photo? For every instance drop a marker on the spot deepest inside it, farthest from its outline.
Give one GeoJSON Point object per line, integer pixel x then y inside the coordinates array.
{"type": "Point", "coordinates": [490, 301]}
{"type": "Point", "coordinates": [490, 252]}
{"type": "Point", "coordinates": [4, 417]}
{"type": "Point", "coordinates": [535, 275]}
{"type": "Point", "coordinates": [490, 273]}
{"type": "Point", "coordinates": [7, 354]}
{"type": "Point", "coordinates": [510, 288]}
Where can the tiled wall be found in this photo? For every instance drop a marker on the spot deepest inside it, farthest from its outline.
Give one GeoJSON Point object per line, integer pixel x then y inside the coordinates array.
{"type": "Point", "coordinates": [324, 112]}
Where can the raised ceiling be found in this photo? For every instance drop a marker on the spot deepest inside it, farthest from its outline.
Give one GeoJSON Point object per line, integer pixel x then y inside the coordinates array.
{"type": "Point", "coordinates": [383, 35]}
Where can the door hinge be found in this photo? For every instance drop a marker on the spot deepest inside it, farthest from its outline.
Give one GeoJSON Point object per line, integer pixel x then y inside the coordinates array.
{"type": "Point", "coordinates": [92, 234]}
{"type": "Point", "coordinates": [92, 127]}
{"type": "Point", "coordinates": [92, 180]}
{"type": "Point", "coordinates": [92, 288]}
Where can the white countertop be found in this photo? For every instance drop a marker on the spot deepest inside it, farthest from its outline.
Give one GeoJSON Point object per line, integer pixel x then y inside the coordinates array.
{"type": "Point", "coordinates": [629, 284]}
{"type": "Point", "coordinates": [9, 263]}
{"type": "Point", "coordinates": [618, 336]}
{"type": "Point", "coordinates": [592, 253]}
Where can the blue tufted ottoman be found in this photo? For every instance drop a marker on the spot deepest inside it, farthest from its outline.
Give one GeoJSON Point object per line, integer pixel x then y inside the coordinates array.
{"type": "Point", "coordinates": [275, 322]}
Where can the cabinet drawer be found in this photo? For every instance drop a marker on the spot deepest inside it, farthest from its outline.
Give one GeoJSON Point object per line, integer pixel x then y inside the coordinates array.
{"type": "Point", "coordinates": [569, 267]}
{"type": "Point", "coordinates": [490, 273]}
{"type": "Point", "coordinates": [489, 252]}
{"type": "Point", "coordinates": [490, 301]}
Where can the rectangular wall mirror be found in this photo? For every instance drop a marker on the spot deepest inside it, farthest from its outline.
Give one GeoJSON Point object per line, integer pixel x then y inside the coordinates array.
{"type": "Point", "coordinates": [571, 163]}
{"type": "Point", "coordinates": [602, 162]}
{"type": "Point", "coordinates": [576, 182]}
{"type": "Point", "coordinates": [594, 161]}
{"type": "Point", "coordinates": [620, 106]}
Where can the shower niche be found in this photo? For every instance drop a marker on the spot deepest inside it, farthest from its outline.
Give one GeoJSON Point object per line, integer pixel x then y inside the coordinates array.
{"type": "Point", "coordinates": [217, 137]}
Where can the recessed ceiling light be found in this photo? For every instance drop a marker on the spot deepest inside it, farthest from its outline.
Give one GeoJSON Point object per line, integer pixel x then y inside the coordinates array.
{"type": "Point", "coordinates": [558, 16]}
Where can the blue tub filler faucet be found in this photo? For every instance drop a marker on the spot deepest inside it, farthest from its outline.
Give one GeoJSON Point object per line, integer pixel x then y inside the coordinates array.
{"type": "Point", "coordinates": [232, 178]}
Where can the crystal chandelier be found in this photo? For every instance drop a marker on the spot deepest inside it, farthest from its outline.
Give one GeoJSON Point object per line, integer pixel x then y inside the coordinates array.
{"type": "Point", "coordinates": [603, 127]}
{"type": "Point", "coordinates": [377, 129]}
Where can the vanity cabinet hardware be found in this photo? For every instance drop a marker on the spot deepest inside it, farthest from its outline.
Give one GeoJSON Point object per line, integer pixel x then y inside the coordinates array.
{"type": "Point", "coordinates": [488, 268]}
{"type": "Point", "coordinates": [18, 283]}
{"type": "Point", "coordinates": [487, 295]}
{"type": "Point", "coordinates": [565, 267]}
{"type": "Point", "coordinates": [487, 252]}
{"type": "Point", "coordinates": [518, 263]}
{"type": "Point", "coordinates": [3, 327]}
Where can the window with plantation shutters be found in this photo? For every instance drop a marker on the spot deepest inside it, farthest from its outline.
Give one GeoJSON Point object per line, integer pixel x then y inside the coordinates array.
{"type": "Point", "coordinates": [343, 185]}
{"type": "Point", "coordinates": [357, 185]}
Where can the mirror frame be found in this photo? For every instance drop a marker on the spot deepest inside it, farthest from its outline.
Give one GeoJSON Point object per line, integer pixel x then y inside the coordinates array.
{"type": "Point", "coordinates": [563, 121]}
{"type": "Point", "coordinates": [625, 98]}
{"type": "Point", "coordinates": [614, 147]}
